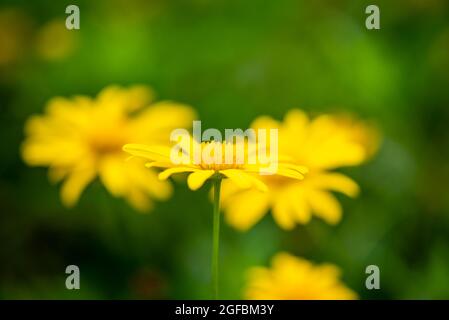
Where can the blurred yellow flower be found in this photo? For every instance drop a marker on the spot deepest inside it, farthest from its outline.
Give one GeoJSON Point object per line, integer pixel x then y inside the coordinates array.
{"type": "Point", "coordinates": [82, 138]}
{"type": "Point", "coordinates": [243, 175]}
{"type": "Point", "coordinates": [293, 278]}
{"type": "Point", "coordinates": [321, 144]}
{"type": "Point", "coordinates": [15, 32]}
{"type": "Point", "coordinates": [54, 41]}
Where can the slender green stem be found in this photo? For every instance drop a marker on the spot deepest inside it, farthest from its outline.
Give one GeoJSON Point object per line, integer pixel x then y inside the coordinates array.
{"type": "Point", "coordinates": [216, 237]}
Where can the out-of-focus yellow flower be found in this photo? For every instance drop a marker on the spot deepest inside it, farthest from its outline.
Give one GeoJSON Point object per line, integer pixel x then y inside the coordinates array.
{"type": "Point", "coordinates": [321, 144]}
{"type": "Point", "coordinates": [15, 32]}
{"type": "Point", "coordinates": [54, 41]}
{"type": "Point", "coordinates": [293, 278]}
{"type": "Point", "coordinates": [82, 138]}
{"type": "Point", "coordinates": [243, 175]}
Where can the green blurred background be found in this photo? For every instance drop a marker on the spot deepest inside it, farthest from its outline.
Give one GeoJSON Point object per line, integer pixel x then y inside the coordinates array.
{"type": "Point", "coordinates": [232, 61]}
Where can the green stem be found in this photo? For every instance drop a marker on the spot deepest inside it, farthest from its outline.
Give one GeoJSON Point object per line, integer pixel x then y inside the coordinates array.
{"type": "Point", "coordinates": [216, 237]}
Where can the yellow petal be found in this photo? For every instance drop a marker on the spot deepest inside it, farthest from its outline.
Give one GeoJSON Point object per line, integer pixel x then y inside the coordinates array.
{"type": "Point", "coordinates": [138, 96]}
{"type": "Point", "coordinates": [152, 153]}
{"type": "Point", "coordinates": [228, 189]}
{"type": "Point", "coordinates": [300, 207]}
{"type": "Point", "coordinates": [147, 180]}
{"type": "Point", "coordinates": [296, 119]}
{"type": "Point", "coordinates": [56, 174]}
{"type": "Point", "coordinates": [331, 145]}
{"type": "Point", "coordinates": [238, 177]}
{"type": "Point", "coordinates": [167, 114]}
{"type": "Point", "coordinates": [54, 152]}
{"type": "Point", "coordinates": [301, 169]}
{"type": "Point", "coordinates": [335, 182]}
{"type": "Point", "coordinates": [289, 172]}
{"type": "Point", "coordinates": [120, 100]}
{"type": "Point", "coordinates": [243, 180]}
{"type": "Point", "coordinates": [324, 206]}
{"type": "Point", "coordinates": [259, 184]}
{"type": "Point", "coordinates": [164, 117]}
{"type": "Point", "coordinates": [139, 200]}
{"type": "Point", "coordinates": [74, 185]}
{"type": "Point", "coordinates": [114, 175]}
{"type": "Point", "coordinates": [197, 178]}
{"type": "Point", "coordinates": [265, 122]}
{"type": "Point", "coordinates": [246, 208]}
{"type": "Point", "coordinates": [283, 213]}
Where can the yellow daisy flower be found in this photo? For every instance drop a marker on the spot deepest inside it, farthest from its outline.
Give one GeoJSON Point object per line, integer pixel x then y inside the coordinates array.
{"type": "Point", "coordinates": [82, 138]}
{"type": "Point", "coordinates": [321, 144]}
{"type": "Point", "coordinates": [216, 168]}
{"type": "Point", "coordinates": [293, 278]}
{"type": "Point", "coordinates": [244, 175]}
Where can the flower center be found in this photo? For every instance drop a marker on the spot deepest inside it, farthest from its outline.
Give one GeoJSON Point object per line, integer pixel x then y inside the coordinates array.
{"type": "Point", "coordinates": [221, 156]}
{"type": "Point", "coordinates": [104, 142]}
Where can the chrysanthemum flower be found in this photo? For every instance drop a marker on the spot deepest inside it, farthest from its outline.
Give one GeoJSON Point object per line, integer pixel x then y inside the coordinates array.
{"type": "Point", "coordinates": [82, 138]}
{"type": "Point", "coordinates": [293, 278]}
{"type": "Point", "coordinates": [321, 144]}
{"type": "Point", "coordinates": [242, 173]}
